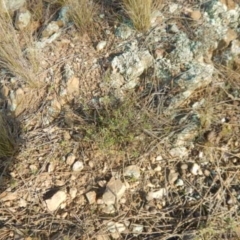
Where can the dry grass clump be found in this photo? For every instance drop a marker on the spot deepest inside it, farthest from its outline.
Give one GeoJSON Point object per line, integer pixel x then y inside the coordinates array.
{"type": "Point", "coordinates": [140, 11]}
{"type": "Point", "coordinates": [12, 58]}
{"type": "Point", "coordinates": [82, 13]}
{"type": "Point", "coordinates": [7, 145]}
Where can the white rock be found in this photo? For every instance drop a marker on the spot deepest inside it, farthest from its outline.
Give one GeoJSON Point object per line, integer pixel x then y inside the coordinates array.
{"type": "Point", "coordinates": [172, 177]}
{"type": "Point", "coordinates": [137, 228]}
{"type": "Point", "coordinates": [179, 152]}
{"type": "Point", "coordinates": [56, 200]}
{"type": "Point", "coordinates": [77, 166]}
{"type": "Point", "coordinates": [113, 227]}
{"type": "Point", "coordinates": [50, 167]}
{"type": "Point", "coordinates": [159, 158]}
{"type": "Point", "coordinates": [52, 27]}
{"type": "Point", "coordinates": [101, 45]}
{"type": "Point", "coordinates": [195, 169]}
{"type": "Point", "coordinates": [179, 182]}
{"type": "Point", "coordinates": [91, 197]}
{"type": "Point", "coordinates": [132, 171]}
{"type": "Point", "coordinates": [70, 159]}
{"type": "Point", "coordinates": [114, 191]}
{"type": "Point", "coordinates": [73, 192]}
{"type": "Point", "coordinates": [22, 19]}
{"type": "Point", "coordinates": [22, 202]}
{"type": "Point", "coordinates": [157, 194]}
{"type": "Point", "coordinates": [109, 209]}
{"type": "Point", "coordinates": [13, 5]}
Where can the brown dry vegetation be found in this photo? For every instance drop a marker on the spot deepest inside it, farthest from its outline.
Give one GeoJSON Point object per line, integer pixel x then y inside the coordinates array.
{"type": "Point", "coordinates": [117, 135]}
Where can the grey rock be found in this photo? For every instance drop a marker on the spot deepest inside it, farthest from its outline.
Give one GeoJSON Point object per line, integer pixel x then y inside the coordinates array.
{"type": "Point", "coordinates": [124, 31]}
{"type": "Point", "coordinates": [132, 171]}
{"type": "Point", "coordinates": [56, 200]}
{"type": "Point", "coordinates": [114, 191]}
{"type": "Point", "coordinates": [157, 194]}
{"type": "Point", "coordinates": [13, 5]}
{"type": "Point", "coordinates": [22, 19]}
{"type": "Point", "coordinates": [77, 166]}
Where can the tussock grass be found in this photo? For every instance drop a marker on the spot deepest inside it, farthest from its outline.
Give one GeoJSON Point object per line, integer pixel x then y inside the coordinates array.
{"type": "Point", "coordinates": [7, 145]}
{"type": "Point", "coordinates": [82, 13]}
{"type": "Point", "coordinates": [140, 11]}
{"type": "Point", "coordinates": [12, 58]}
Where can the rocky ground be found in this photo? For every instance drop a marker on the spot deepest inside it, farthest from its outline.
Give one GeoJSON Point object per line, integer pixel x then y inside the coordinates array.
{"type": "Point", "coordinates": [121, 134]}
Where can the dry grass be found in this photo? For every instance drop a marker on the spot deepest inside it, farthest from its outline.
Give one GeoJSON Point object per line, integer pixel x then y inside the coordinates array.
{"type": "Point", "coordinates": [12, 58]}
{"type": "Point", "coordinates": [140, 11]}
{"type": "Point", "coordinates": [7, 144]}
{"type": "Point", "coordinates": [82, 13]}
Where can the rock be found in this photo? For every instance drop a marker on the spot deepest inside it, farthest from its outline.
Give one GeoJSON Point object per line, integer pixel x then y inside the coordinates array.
{"type": "Point", "coordinates": [56, 200]}
{"type": "Point", "coordinates": [132, 64]}
{"type": "Point", "coordinates": [8, 196]}
{"type": "Point", "coordinates": [123, 31]}
{"type": "Point", "coordinates": [109, 209]}
{"type": "Point", "coordinates": [132, 171]}
{"type": "Point", "coordinates": [22, 202]}
{"type": "Point", "coordinates": [159, 158]}
{"type": "Point", "coordinates": [179, 152]}
{"type": "Point", "coordinates": [157, 194]}
{"type": "Point", "coordinates": [52, 27]}
{"type": "Point", "coordinates": [77, 166]}
{"type": "Point", "coordinates": [229, 3]}
{"type": "Point", "coordinates": [22, 19]}
{"type": "Point", "coordinates": [179, 183]}
{"type": "Point", "coordinates": [70, 159]}
{"type": "Point", "coordinates": [103, 237]}
{"type": "Point", "coordinates": [101, 45]}
{"type": "Point", "coordinates": [113, 227]}
{"type": "Point", "coordinates": [195, 15]}
{"type": "Point", "coordinates": [73, 192]}
{"type": "Point", "coordinates": [91, 197]}
{"type": "Point", "coordinates": [114, 191]}
{"type": "Point", "coordinates": [195, 169]}
{"type": "Point", "coordinates": [50, 167]}
{"type": "Point", "coordinates": [172, 177]}
{"type": "Point", "coordinates": [207, 173]}
{"type": "Point", "coordinates": [137, 229]}
{"type": "Point", "coordinates": [184, 166]}
{"type": "Point", "coordinates": [13, 5]}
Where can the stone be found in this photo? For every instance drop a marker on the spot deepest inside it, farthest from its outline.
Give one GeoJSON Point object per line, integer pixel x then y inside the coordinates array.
{"type": "Point", "coordinates": [56, 200]}
{"type": "Point", "coordinates": [195, 169]}
{"type": "Point", "coordinates": [132, 171]}
{"type": "Point", "coordinates": [52, 27]}
{"type": "Point", "coordinates": [114, 191]}
{"type": "Point", "coordinates": [73, 192]}
{"type": "Point", "coordinates": [179, 183]}
{"type": "Point", "coordinates": [195, 15]}
{"type": "Point", "coordinates": [172, 177]}
{"type": "Point", "coordinates": [13, 5]}
{"type": "Point", "coordinates": [70, 159]}
{"type": "Point", "coordinates": [123, 31]}
{"type": "Point", "coordinates": [157, 194]}
{"type": "Point", "coordinates": [113, 227]}
{"type": "Point", "coordinates": [77, 166]}
{"type": "Point", "coordinates": [131, 64]}
{"type": "Point", "coordinates": [22, 19]}
{"type": "Point", "coordinates": [109, 209]}
{"type": "Point", "coordinates": [137, 229]}
{"type": "Point", "coordinates": [180, 152]}
{"type": "Point", "coordinates": [91, 197]}
{"type": "Point", "coordinates": [50, 167]}
{"type": "Point", "coordinates": [101, 45]}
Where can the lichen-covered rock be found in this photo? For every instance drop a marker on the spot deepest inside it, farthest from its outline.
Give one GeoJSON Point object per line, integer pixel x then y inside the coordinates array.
{"type": "Point", "coordinates": [22, 19]}
{"type": "Point", "coordinates": [13, 5]}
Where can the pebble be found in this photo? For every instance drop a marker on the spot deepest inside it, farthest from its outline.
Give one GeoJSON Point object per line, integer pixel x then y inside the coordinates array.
{"type": "Point", "coordinates": [132, 171]}
{"type": "Point", "coordinates": [73, 192]}
{"type": "Point", "coordinates": [184, 166]}
{"type": "Point", "coordinates": [157, 194]}
{"type": "Point", "coordinates": [195, 15]}
{"type": "Point", "coordinates": [179, 183]}
{"type": "Point", "coordinates": [77, 166]}
{"type": "Point", "coordinates": [101, 45]}
{"type": "Point", "coordinates": [50, 167]}
{"type": "Point", "coordinates": [159, 158]}
{"type": "Point", "coordinates": [113, 227]}
{"type": "Point", "coordinates": [195, 169]}
{"type": "Point", "coordinates": [22, 19]}
{"type": "Point", "coordinates": [172, 177]}
{"type": "Point", "coordinates": [56, 200]}
{"type": "Point", "coordinates": [114, 191]}
{"type": "Point", "coordinates": [91, 197]}
{"type": "Point", "coordinates": [207, 173]}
